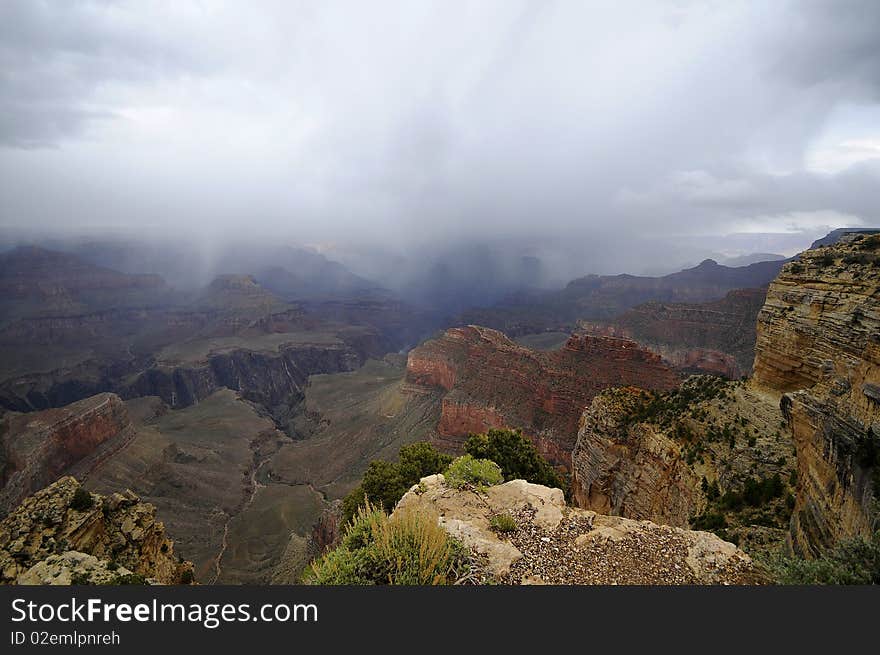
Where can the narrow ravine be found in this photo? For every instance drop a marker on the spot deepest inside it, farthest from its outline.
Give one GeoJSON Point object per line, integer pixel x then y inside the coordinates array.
{"type": "Point", "coordinates": [255, 486]}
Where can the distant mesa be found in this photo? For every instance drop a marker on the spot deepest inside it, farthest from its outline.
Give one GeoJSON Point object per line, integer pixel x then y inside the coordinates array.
{"type": "Point", "coordinates": [716, 337]}
{"type": "Point", "coordinates": [752, 258]}
{"type": "Point", "coordinates": [604, 297]}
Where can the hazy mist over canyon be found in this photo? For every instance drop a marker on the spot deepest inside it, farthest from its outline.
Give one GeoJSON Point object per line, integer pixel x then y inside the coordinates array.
{"type": "Point", "coordinates": [599, 137]}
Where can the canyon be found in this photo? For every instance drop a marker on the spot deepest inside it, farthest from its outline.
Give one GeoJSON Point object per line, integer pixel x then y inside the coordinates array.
{"type": "Point", "coordinates": [133, 335]}
{"type": "Point", "coordinates": [672, 458]}
{"type": "Point", "coordinates": [244, 410]}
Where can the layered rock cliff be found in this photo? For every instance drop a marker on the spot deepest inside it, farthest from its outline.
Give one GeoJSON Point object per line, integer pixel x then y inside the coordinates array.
{"type": "Point", "coordinates": [36, 448]}
{"type": "Point", "coordinates": [132, 336]}
{"type": "Point", "coordinates": [485, 380]}
{"type": "Point", "coordinates": [711, 454]}
{"type": "Point", "coordinates": [716, 337]}
{"type": "Point", "coordinates": [818, 343]}
{"type": "Point", "coordinates": [269, 378]}
{"type": "Point", "coordinates": [631, 469]}
{"type": "Point", "coordinates": [62, 534]}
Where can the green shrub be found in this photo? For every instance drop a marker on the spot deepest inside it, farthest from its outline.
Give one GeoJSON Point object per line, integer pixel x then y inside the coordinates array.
{"type": "Point", "coordinates": [130, 579]}
{"type": "Point", "coordinates": [468, 470]}
{"type": "Point", "coordinates": [409, 548]}
{"type": "Point", "coordinates": [382, 485]}
{"type": "Point", "coordinates": [82, 500]}
{"type": "Point", "coordinates": [80, 578]}
{"type": "Point", "coordinates": [710, 489]}
{"type": "Point", "coordinates": [385, 483]}
{"type": "Point", "coordinates": [502, 523]}
{"type": "Point", "coordinates": [871, 242]}
{"type": "Point", "coordinates": [515, 454]}
{"type": "Point", "coordinates": [664, 409]}
{"type": "Point", "coordinates": [854, 561]}
{"type": "Point", "coordinates": [859, 258]}
{"type": "Point", "coordinates": [755, 493]}
{"type": "Point", "coordinates": [420, 459]}
{"type": "Point", "coordinates": [710, 521]}
{"type": "Point", "coordinates": [758, 492]}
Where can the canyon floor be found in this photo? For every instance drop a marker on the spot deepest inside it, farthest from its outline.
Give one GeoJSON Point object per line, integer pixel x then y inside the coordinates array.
{"type": "Point", "coordinates": [240, 496]}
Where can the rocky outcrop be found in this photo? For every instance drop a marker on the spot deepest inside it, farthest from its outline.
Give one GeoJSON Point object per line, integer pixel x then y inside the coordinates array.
{"type": "Point", "coordinates": [86, 538]}
{"type": "Point", "coordinates": [327, 530]}
{"type": "Point", "coordinates": [818, 342]}
{"type": "Point", "coordinates": [555, 544]}
{"type": "Point", "coordinates": [39, 447]}
{"type": "Point", "coordinates": [700, 360]}
{"type": "Point", "coordinates": [73, 567]}
{"type": "Point", "coordinates": [488, 381]}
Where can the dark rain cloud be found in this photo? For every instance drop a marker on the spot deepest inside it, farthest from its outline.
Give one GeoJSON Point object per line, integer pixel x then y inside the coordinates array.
{"type": "Point", "coordinates": [596, 128]}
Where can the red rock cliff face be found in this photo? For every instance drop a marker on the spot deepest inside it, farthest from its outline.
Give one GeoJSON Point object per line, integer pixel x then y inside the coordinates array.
{"type": "Point", "coordinates": [486, 380]}
{"type": "Point", "coordinates": [39, 447]}
{"type": "Point", "coordinates": [818, 342]}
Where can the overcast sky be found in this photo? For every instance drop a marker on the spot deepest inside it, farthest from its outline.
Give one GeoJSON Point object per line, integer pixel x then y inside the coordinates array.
{"type": "Point", "coordinates": [340, 123]}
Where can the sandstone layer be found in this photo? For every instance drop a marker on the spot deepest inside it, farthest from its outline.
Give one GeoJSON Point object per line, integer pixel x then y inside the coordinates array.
{"type": "Point", "coordinates": [100, 540]}
{"type": "Point", "coordinates": [818, 342]}
{"type": "Point", "coordinates": [487, 381]}
{"type": "Point", "coordinates": [556, 544]}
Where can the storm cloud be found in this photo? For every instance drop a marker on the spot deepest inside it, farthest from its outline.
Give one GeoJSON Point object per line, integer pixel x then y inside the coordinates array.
{"type": "Point", "coordinates": [599, 128]}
